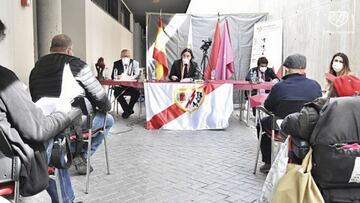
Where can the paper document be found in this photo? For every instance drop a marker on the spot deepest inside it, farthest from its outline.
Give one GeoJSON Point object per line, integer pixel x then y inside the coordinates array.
{"type": "Point", "coordinates": [126, 77]}
{"type": "Point", "coordinates": [70, 89]}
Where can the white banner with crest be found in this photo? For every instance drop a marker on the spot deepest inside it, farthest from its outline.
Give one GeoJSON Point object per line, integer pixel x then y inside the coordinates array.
{"type": "Point", "coordinates": [187, 106]}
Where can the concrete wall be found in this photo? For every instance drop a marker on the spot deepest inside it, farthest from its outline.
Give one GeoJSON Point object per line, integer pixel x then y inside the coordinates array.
{"type": "Point", "coordinates": [73, 25]}
{"type": "Point", "coordinates": [17, 49]}
{"type": "Point", "coordinates": [105, 37]}
{"type": "Point", "coordinates": [318, 29]}
{"type": "Point", "coordinates": [49, 23]}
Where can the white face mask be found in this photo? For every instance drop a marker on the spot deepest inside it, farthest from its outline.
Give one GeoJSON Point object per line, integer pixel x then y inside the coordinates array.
{"type": "Point", "coordinates": [125, 60]}
{"type": "Point", "coordinates": [337, 66]}
{"type": "Point", "coordinates": [263, 69]}
{"type": "Point", "coordinates": [186, 61]}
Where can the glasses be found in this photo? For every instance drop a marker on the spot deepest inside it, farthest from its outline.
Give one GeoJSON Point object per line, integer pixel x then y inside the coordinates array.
{"type": "Point", "coordinates": [340, 61]}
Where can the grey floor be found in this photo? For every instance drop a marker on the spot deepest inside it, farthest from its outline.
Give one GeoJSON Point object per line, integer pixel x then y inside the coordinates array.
{"type": "Point", "coordinates": [172, 166]}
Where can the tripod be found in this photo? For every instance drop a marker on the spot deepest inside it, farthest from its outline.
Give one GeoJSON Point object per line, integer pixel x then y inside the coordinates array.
{"type": "Point", "coordinates": [204, 62]}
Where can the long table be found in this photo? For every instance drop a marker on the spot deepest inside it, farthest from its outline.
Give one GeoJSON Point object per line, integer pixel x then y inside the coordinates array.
{"type": "Point", "coordinates": [237, 84]}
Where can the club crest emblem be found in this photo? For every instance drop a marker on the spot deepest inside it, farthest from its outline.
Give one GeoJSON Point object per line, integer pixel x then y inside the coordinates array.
{"type": "Point", "coordinates": [338, 18]}
{"type": "Point", "coordinates": [188, 99]}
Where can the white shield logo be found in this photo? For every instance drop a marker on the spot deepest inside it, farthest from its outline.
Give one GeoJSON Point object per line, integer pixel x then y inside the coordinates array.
{"type": "Point", "coordinates": [188, 99]}
{"type": "Point", "coordinates": [338, 18]}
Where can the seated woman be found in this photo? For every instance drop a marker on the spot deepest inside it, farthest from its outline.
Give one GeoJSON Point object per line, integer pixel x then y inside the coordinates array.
{"type": "Point", "coordinates": [339, 66]}
{"type": "Point", "coordinates": [185, 67]}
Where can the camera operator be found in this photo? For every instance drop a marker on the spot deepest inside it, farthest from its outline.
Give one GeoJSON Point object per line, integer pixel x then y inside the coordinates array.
{"type": "Point", "coordinates": [185, 68]}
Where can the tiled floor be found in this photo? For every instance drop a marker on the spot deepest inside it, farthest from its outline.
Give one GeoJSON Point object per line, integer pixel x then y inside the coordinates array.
{"type": "Point", "coordinates": [172, 166]}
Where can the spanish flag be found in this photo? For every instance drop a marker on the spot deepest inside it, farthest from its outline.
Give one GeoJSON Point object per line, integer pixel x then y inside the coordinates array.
{"type": "Point", "coordinates": [159, 53]}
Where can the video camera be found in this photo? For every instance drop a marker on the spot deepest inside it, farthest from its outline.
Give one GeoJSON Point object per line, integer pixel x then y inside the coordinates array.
{"type": "Point", "coordinates": [206, 45]}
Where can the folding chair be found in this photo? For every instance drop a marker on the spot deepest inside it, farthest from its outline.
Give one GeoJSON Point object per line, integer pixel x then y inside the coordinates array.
{"type": "Point", "coordinates": [286, 107]}
{"type": "Point", "coordinates": [86, 138]}
{"type": "Point", "coordinates": [10, 165]}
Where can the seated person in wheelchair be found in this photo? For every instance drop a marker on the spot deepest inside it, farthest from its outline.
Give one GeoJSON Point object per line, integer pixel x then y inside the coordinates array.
{"type": "Point", "coordinates": [294, 85]}
{"type": "Point", "coordinates": [27, 129]}
{"type": "Point", "coordinates": [46, 81]}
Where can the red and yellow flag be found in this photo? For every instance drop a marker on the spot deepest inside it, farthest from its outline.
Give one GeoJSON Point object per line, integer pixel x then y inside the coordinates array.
{"type": "Point", "coordinates": [159, 54]}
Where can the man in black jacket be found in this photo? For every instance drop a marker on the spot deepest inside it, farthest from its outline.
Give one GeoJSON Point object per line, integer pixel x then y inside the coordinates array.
{"type": "Point", "coordinates": [46, 81]}
{"type": "Point", "coordinates": [27, 129]}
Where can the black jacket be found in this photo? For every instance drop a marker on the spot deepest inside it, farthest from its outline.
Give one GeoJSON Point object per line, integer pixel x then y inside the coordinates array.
{"type": "Point", "coordinates": [27, 130]}
{"type": "Point", "coordinates": [46, 79]}
{"type": "Point", "coordinates": [301, 124]}
{"type": "Point", "coordinates": [194, 71]}
{"type": "Point", "coordinates": [133, 64]}
{"type": "Point", "coordinates": [269, 74]}
{"type": "Point", "coordinates": [292, 86]}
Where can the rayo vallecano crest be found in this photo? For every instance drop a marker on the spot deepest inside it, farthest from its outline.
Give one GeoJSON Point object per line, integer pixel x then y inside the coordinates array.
{"type": "Point", "coordinates": [188, 99]}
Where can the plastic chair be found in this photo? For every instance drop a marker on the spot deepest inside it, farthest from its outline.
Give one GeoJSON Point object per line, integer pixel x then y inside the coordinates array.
{"type": "Point", "coordinates": [285, 108]}
{"type": "Point", "coordinates": [10, 165]}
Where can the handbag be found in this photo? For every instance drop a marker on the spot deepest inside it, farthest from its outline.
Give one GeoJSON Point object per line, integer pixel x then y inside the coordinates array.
{"type": "Point", "coordinates": [297, 185]}
{"type": "Point", "coordinates": [61, 156]}
{"type": "Point", "coordinates": [277, 170]}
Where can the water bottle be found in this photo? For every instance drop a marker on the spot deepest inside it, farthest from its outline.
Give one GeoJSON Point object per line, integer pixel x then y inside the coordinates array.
{"type": "Point", "coordinates": [213, 75]}
{"type": "Point", "coordinates": [115, 74]}
{"type": "Point", "coordinates": [253, 77]}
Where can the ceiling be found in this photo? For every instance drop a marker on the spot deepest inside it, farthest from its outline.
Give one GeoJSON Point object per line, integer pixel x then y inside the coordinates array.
{"type": "Point", "coordinates": [140, 7]}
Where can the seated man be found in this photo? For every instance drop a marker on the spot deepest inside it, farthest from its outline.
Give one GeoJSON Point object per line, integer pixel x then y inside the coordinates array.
{"type": "Point", "coordinates": [294, 85]}
{"type": "Point", "coordinates": [46, 81]}
{"type": "Point", "coordinates": [127, 68]}
{"type": "Point", "coordinates": [28, 131]}
{"type": "Point", "coordinates": [261, 73]}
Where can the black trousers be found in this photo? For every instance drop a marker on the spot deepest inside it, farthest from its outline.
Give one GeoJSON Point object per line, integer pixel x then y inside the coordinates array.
{"type": "Point", "coordinates": [265, 144]}
{"type": "Point", "coordinates": [121, 91]}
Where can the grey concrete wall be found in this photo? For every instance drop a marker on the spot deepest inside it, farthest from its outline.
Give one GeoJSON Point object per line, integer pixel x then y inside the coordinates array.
{"type": "Point", "coordinates": [318, 29]}
{"type": "Point", "coordinates": [48, 23]}
{"type": "Point", "coordinates": [17, 49]}
{"type": "Point", "coordinates": [73, 25]}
